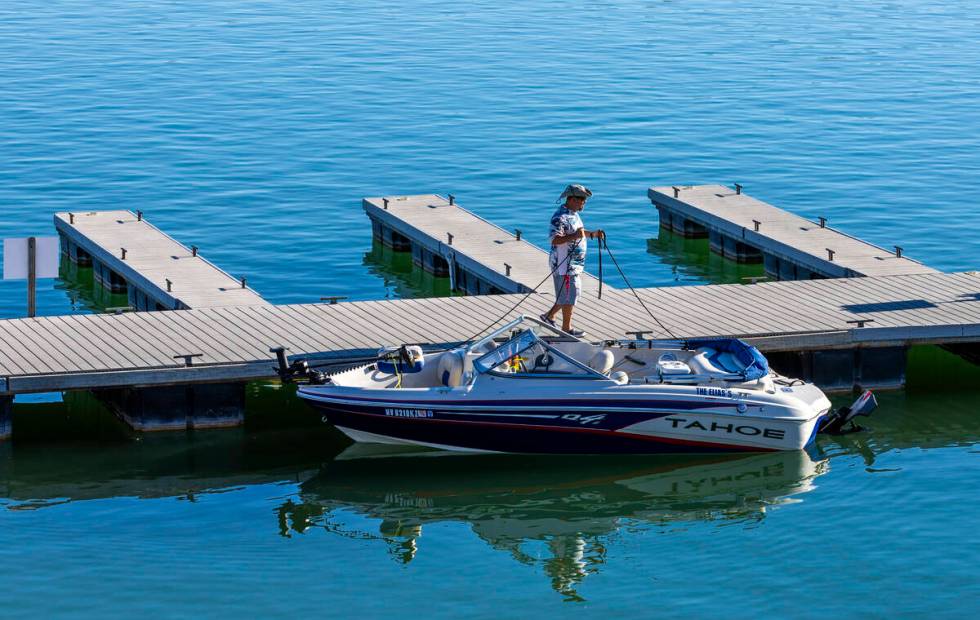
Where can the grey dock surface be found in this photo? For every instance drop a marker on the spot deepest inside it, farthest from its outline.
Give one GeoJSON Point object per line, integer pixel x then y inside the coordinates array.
{"type": "Point", "coordinates": [449, 240]}
{"type": "Point", "coordinates": [151, 259]}
{"type": "Point", "coordinates": [791, 246]}
{"type": "Point", "coordinates": [138, 349]}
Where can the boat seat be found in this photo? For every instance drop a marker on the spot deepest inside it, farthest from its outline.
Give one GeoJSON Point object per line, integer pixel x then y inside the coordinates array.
{"type": "Point", "coordinates": [450, 369]}
{"type": "Point", "coordinates": [713, 362]}
{"type": "Point", "coordinates": [602, 361]}
{"type": "Point", "coordinates": [486, 348]}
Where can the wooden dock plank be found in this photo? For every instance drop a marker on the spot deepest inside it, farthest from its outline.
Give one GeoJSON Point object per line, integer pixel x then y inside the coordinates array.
{"type": "Point", "coordinates": [687, 303]}
{"type": "Point", "coordinates": [136, 334]}
{"type": "Point", "coordinates": [336, 322]}
{"type": "Point", "coordinates": [228, 346]}
{"type": "Point", "coordinates": [814, 313]}
{"type": "Point", "coordinates": [263, 332]}
{"type": "Point", "coordinates": [314, 336]}
{"type": "Point", "coordinates": [123, 334]}
{"type": "Point", "coordinates": [412, 319]}
{"type": "Point", "coordinates": [781, 233]}
{"type": "Point", "coordinates": [153, 257]}
{"type": "Point", "coordinates": [736, 314]}
{"type": "Point", "coordinates": [882, 292]}
{"type": "Point", "coordinates": [320, 325]}
{"type": "Point", "coordinates": [827, 296]}
{"type": "Point", "coordinates": [92, 344]}
{"type": "Point", "coordinates": [48, 345]}
{"type": "Point", "coordinates": [369, 319]}
{"type": "Point", "coordinates": [895, 307]}
{"type": "Point", "coordinates": [326, 317]}
{"type": "Point", "coordinates": [197, 337]}
{"type": "Point", "coordinates": [450, 320]}
{"type": "Point", "coordinates": [65, 345]}
{"type": "Point", "coordinates": [229, 328]}
{"type": "Point", "coordinates": [9, 361]}
{"type": "Point", "coordinates": [171, 337]}
{"type": "Point", "coordinates": [22, 345]}
{"type": "Point", "coordinates": [803, 312]}
{"type": "Point", "coordinates": [657, 302]}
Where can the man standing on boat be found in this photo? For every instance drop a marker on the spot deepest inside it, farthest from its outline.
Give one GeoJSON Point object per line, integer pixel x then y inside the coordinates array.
{"type": "Point", "coordinates": [567, 257]}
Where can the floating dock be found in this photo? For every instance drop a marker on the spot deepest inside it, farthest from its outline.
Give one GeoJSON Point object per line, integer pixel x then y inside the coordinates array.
{"type": "Point", "coordinates": [164, 370]}
{"type": "Point", "coordinates": [837, 342]}
{"type": "Point", "coordinates": [128, 255]}
{"type": "Point", "coordinates": [478, 257]}
{"type": "Point", "coordinates": [791, 247]}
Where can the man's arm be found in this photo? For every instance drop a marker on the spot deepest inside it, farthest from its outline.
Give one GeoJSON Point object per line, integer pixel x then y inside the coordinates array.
{"type": "Point", "coordinates": [581, 233]}
{"type": "Point", "coordinates": [572, 236]}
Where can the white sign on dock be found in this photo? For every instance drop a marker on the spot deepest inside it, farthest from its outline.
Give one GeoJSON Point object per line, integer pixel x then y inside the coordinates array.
{"type": "Point", "coordinates": [16, 261]}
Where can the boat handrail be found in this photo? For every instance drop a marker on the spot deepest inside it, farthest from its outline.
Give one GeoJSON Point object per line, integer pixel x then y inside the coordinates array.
{"type": "Point", "coordinates": [648, 343]}
{"type": "Point", "coordinates": [705, 377]}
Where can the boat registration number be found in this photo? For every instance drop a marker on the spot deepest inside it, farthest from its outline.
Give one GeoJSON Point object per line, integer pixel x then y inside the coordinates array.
{"type": "Point", "coordinates": [408, 413]}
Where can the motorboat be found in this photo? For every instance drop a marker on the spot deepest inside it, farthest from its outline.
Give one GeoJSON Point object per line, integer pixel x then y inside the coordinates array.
{"type": "Point", "coordinates": [529, 387]}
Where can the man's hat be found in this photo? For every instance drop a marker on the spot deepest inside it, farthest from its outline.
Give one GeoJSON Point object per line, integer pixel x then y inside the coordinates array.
{"type": "Point", "coordinates": [576, 190]}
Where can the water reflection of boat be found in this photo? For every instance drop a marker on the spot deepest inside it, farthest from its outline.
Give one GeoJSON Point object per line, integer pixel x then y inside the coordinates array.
{"type": "Point", "coordinates": [562, 504]}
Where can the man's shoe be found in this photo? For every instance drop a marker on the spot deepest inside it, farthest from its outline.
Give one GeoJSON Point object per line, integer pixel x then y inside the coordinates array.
{"type": "Point", "coordinates": [578, 333]}
{"type": "Point", "coordinates": [544, 317]}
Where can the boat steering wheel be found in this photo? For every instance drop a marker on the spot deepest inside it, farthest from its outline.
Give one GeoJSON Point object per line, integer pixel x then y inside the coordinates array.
{"type": "Point", "coordinates": [544, 361]}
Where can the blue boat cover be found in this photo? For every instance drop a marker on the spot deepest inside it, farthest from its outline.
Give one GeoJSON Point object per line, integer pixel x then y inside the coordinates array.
{"type": "Point", "coordinates": [755, 364]}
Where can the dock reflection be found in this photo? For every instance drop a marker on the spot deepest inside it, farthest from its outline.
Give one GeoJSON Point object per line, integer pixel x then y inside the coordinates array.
{"type": "Point", "coordinates": [402, 278]}
{"type": "Point", "coordinates": [35, 476]}
{"type": "Point", "coordinates": [549, 511]}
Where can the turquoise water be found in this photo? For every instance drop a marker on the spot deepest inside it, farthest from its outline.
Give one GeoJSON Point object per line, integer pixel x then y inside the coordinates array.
{"type": "Point", "coordinates": [252, 129]}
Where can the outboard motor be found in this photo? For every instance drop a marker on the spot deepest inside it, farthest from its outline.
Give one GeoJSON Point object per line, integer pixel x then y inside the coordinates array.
{"type": "Point", "coordinates": [834, 423]}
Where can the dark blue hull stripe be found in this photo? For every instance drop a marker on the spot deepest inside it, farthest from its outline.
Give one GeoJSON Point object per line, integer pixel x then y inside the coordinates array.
{"type": "Point", "coordinates": [698, 403]}
{"type": "Point", "coordinates": [515, 433]}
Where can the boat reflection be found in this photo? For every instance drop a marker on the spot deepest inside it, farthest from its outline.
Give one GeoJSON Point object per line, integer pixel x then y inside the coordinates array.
{"type": "Point", "coordinates": [531, 507]}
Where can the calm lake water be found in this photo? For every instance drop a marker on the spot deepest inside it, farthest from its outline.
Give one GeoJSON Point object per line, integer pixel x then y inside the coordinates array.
{"type": "Point", "coordinates": [252, 129]}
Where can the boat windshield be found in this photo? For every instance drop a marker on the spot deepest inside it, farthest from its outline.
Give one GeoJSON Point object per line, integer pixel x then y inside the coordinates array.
{"type": "Point", "coordinates": [526, 354]}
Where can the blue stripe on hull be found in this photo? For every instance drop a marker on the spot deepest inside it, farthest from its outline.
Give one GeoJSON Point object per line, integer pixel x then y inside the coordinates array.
{"type": "Point", "coordinates": [518, 434]}
{"type": "Point", "coordinates": [604, 419]}
{"type": "Point", "coordinates": [648, 403]}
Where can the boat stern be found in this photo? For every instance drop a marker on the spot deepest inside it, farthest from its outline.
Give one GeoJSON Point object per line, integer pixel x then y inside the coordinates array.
{"type": "Point", "coordinates": [810, 405]}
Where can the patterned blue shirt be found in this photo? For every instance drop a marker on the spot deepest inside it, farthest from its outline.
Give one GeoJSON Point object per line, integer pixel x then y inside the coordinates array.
{"type": "Point", "coordinates": [567, 258]}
